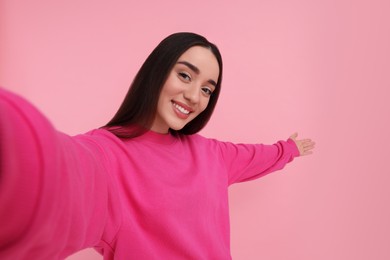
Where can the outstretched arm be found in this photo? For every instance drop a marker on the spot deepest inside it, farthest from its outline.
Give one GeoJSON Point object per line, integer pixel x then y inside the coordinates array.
{"type": "Point", "coordinates": [305, 146]}
{"type": "Point", "coordinates": [52, 186]}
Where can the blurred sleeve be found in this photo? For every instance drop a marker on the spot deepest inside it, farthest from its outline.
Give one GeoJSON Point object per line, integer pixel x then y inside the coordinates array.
{"type": "Point", "coordinates": [247, 162]}
{"type": "Point", "coordinates": [53, 192]}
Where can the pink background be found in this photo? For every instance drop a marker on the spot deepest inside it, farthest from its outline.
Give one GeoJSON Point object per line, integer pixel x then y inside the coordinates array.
{"type": "Point", "coordinates": [318, 67]}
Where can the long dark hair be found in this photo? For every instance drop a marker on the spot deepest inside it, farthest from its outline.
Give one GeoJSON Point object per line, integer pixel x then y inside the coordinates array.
{"type": "Point", "coordinates": [138, 110]}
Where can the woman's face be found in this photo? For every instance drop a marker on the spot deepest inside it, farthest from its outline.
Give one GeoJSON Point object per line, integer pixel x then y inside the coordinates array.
{"type": "Point", "coordinates": [187, 89]}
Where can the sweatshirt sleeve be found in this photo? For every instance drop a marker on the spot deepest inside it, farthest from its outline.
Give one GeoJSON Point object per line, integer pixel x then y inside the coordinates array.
{"type": "Point", "coordinates": [52, 186]}
{"type": "Point", "coordinates": [247, 162]}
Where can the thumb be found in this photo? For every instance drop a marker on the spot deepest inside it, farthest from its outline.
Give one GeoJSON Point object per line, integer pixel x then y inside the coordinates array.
{"type": "Point", "coordinates": [294, 136]}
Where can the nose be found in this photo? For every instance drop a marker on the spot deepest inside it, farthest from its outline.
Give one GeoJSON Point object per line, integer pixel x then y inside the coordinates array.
{"type": "Point", "coordinates": [192, 94]}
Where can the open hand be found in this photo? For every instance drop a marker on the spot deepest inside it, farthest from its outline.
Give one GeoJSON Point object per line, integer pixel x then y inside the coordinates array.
{"type": "Point", "coordinates": [305, 146]}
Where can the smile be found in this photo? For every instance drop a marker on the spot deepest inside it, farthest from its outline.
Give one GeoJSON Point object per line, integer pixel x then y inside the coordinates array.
{"type": "Point", "coordinates": [182, 109]}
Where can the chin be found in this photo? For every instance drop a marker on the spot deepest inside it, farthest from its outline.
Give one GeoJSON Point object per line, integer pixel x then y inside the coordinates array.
{"type": "Point", "coordinates": [180, 124]}
{"type": "Point", "coordinates": [176, 128]}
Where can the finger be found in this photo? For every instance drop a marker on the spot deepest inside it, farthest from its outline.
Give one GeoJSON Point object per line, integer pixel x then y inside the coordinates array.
{"type": "Point", "coordinates": [308, 149]}
{"type": "Point", "coordinates": [308, 144]}
{"type": "Point", "coordinates": [306, 153]}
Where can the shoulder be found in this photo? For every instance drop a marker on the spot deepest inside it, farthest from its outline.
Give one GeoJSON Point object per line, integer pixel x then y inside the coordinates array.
{"type": "Point", "coordinates": [100, 137]}
{"type": "Point", "coordinates": [202, 144]}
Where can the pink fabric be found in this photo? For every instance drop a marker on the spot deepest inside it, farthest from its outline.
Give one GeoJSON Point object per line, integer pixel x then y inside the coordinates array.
{"type": "Point", "coordinates": [155, 196]}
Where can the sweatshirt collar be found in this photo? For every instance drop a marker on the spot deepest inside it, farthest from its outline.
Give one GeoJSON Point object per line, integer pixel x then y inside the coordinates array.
{"type": "Point", "coordinates": [158, 138]}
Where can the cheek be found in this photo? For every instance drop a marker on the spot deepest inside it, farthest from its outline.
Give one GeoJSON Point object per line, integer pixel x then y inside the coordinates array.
{"type": "Point", "coordinates": [204, 104]}
{"type": "Point", "coordinates": [172, 84]}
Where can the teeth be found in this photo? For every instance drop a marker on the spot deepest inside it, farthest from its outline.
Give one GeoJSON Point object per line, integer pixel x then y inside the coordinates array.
{"type": "Point", "coordinates": [181, 109]}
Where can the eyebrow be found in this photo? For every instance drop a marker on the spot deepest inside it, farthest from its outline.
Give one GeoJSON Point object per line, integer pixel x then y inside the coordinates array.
{"type": "Point", "coordinates": [196, 70]}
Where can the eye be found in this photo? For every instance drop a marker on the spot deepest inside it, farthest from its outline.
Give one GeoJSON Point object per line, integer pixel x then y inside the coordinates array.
{"type": "Point", "coordinates": [184, 76]}
{"type": "Point", "coordinates": [207, 91]}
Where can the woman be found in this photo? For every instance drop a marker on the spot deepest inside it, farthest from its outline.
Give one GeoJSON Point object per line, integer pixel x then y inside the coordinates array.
{"type": "Point", "coordinates": [145, 186]}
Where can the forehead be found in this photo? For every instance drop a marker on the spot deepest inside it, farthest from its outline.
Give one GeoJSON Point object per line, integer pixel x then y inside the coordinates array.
{"type": "Point", "coordinates": [203, 59]}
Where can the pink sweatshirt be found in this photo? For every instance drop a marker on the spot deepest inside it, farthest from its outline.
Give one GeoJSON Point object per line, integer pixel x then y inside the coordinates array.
{"type": "Point", "coordinates": [152, 197]}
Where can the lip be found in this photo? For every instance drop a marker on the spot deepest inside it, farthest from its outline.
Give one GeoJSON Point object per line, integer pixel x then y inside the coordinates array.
{"type": "Point", "coordinates": [186, 107]}
{"type": "Point", "coordinates": [180, 114]}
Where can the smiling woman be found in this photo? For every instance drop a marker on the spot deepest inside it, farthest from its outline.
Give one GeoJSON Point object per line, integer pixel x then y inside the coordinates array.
{"type": "Point", "coordinates": [141, 102]}
{"type": "Point", "coordinates": [144, 186]}
{"type": "Point", "coordinates": [187, 91]}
